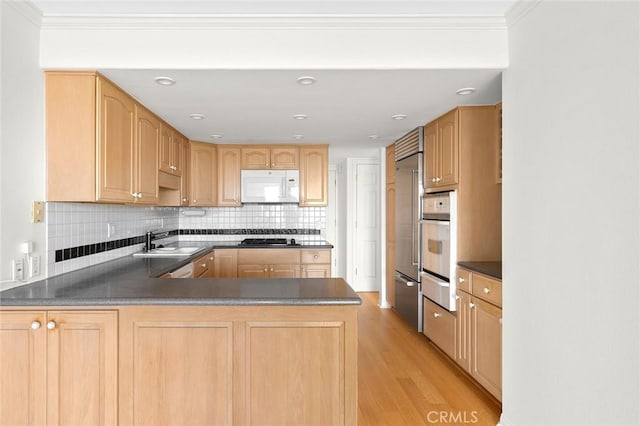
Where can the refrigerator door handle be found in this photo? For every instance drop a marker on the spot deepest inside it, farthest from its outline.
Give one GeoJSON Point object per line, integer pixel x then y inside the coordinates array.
{"type": "Point", "coordinates": [414, 215]}
{"type": "Point", "coordinates": [405, 281]}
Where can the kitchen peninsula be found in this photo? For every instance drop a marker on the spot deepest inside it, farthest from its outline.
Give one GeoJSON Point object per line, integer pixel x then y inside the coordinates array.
{"type": "Point", "coordinates": [116, 344]}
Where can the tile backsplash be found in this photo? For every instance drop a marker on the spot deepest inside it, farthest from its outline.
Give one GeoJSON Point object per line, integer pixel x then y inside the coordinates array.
{"type": "Point", "coordinates": [81, 235]}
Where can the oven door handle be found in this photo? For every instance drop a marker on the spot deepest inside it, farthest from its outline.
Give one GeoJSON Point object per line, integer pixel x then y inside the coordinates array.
{"type": "Point", "coordinates": [440, 282]}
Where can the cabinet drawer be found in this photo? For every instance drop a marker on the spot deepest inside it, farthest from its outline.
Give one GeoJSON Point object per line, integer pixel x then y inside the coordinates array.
{"type": "Point", "coordinates": [439, 325]}
{"type": "Point", "coordinates": [201, 265]}
{"type": "Point", "coordinates": [278, 256]}
{"type": "Point", "coordinates": [463, 279]}
{"type": "Point", "coordinates": [315, 256]}
{"type": "Point", "coordinates": [487, 289]}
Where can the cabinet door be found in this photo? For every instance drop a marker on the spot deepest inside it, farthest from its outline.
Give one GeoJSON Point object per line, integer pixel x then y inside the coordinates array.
{"type": "Point", "coordinates": [82, 385]}
{"type": "Point", "coordinates": [284, 271]}
{"type": "Point", "coordinates": [448, 148]}
{"type": "Point", "coordinates": [315, 270]}
{"type": "Point", "coordinates": [202, 265]}
{"type": "Point", "coordinates": [314, 176]}
{"type": "Point", "coordinates": [146, 156]}
{"type": "Point", "coordinates": [228, 176]}
{"type": "Point", "coordinates": [166, 149]}
{"type": "Point", "coordinates": [211, 271]}
{"type": "Point", "coordinates": [177, 152]}
{"type": "Point", "coordinates": [202, 183]}
{"type": "Point", "coordinates": [430, 154]}
{"type": "Point", "coordinates": [186, 170]}
{"type": "Point", "coordinates": [253, 271]}
{"type": "Point", "coordinates": [256, 157]}
{"type": "Point", "coordinates": [285, 158]}
{"type": "Point", "coordinates": [115, 144]}
{"type": "Point", "coordinates": [439, 325]}
{"type": "Point", "coordinates": [463, 330]}
{"type": "Point", "coordinates": [226, 263]}
{"type": "Point", "coordinates": [390, 164]}
{"type": "Point", "coordinates": [486, 344]}
{"type": "Point", "coordinates": [23, 363]}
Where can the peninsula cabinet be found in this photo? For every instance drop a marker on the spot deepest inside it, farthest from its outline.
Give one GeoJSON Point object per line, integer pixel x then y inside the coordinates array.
{"type": "Point", "coordinates": [315, 263]}
{"type": "Point", "coordinates": [93, 148]}
{"type": "Point", "coordinates": [229, 176]}
{"type": "Point", "coordinates": [202, 179]}
{"type": "Point", "coordinates": [268, 263]}
{"type": "Point", "coordinates": [58, 367]}
{"type": "Point", "coordinates": [314, 175]}
{"type": "Point", "coordinates": [262, 157]}
{"type": "Point", "coordinates": [225, 263]}
{"type": "Point", "coordinates": [479, 329]}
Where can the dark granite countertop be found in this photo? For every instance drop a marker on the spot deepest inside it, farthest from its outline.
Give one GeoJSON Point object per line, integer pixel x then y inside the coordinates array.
{"type": "Point", "coordinates": [493, 269]}
{"type": "Point", "coordinates": [133, 280]}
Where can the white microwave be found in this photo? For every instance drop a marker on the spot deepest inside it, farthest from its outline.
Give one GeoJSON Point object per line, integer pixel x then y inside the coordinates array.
{"type": "Point", "coordinates": [270, 186]}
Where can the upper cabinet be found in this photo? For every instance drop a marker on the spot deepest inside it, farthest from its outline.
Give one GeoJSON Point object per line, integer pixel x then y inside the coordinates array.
{"type": "Point", "coordinates": [441, 152]}
{"type": "Point", "coordinates": [96, 145]}
{"type": "Point", "coordinates": [229, 175]}
{"type": "Point", "coordinates": [202, 179]}
{"type": "Point", "coordinates": [185, 161]}
{"type": "Point", "coordinates": [270, 157]}
{"type": "Point", "coordinates": [314, 175]}
{"type": "Point", "coordinates": [171, 151]}
{"type": "Point", "coordinates": [499, 143]}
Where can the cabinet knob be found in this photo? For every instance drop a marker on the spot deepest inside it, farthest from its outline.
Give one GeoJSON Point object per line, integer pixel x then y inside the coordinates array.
{"type": "Point", "coordinates": [266, 164]}
{"type": "Point", "coordinates": [51, 325]}
{"type": "Point", "coordinates": [204, 265]}
{"type": "Point", "coordinates": [472, 305]}
{"type": "Point", "coordinates": [271, 269]}
{"type": "Point", "coordinates": [315, 256]}
{"type": "Point", "coordinates": [303, 269]}
{"type": "Point", "coordinates": [436, 315]}
{"type": "Point", "coordinates": [184, 200]}
{"type": "Point", "coordinates": [134, 194]}
{"type": "Point", "coordinates": [486, 290]}
{"type": "Point", "coordinates": [438, 179]}
{"type": "Point", "coordinates": [35, 325]}
{"type": "Point", "coordinates": [139, 194]}
{"type": "Point", "coordinates": [273, 164]}
{"type": "Point", "coordinates": [266, 269]}
{"type": "Point", "coordinates": [195, 201]}
{"type": "Point", "coordinates": [457, 297]}
{"type": "Point", "coordinates": [460, 280]}
{"type": "Point", "coordinates": [211, 258]}
{"type": "Point", "coordinates": [433, 180]}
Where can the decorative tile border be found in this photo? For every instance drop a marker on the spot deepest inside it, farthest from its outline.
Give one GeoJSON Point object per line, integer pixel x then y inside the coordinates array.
{"type": "Point", "coordinates": [244, 231]}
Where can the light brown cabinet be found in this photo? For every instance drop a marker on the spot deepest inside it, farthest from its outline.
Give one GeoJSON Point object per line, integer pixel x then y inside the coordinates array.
{"type": "Point", "coordinates": [268, 263]}
{"type": "Point", "coordinates": [225, 263]}
{"type": "Point", "coordinates": [171, 151]}
{"type": "Point", "coordinates": [202, 176]}
{"type": "Point", "coordinates": [441, 152]}
{"type": "Point", "coordinates": [229, 176]}
{"type": "Point", "coordinates": [314, 175]}
{"type": "Point", "coordinates": [315, 263]}
{"type": "Point", "coordinates": [479, 329]}
{"type": "Point", "coordinates": [93, 148]}
{"type": "Point", "coordinates": [439, 325]}
{"type": "Point", "coordinates": [499, 142]}
{"type": "Point", "coordinates": [391, 222]}
{"type": "Point", "coordinates": [269, 157]}
{"type": "Point", "coordinates": [59, 367]}
{"type": "Point", "coordinates": [186, 173]}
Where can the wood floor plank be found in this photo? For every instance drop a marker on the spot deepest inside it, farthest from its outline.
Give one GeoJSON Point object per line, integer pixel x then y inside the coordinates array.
{"type": "Point", "coordinates": [403, 380]}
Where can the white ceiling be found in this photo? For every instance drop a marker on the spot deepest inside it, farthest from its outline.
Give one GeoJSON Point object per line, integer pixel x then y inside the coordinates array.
{"type": "Point", "coordinates": [344, 107]}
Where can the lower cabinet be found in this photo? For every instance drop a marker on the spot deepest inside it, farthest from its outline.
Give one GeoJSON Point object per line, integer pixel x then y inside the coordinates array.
{"type": "Point", "coordinates": [229, 365]}
{"type": "Point", "coordinates": [439, 325]}
{"type": "Point", "coordinates": [58, 367]}
{"type": "Point", "coordinates": [315, 263]}
{"type": "Point", "coordinates": [225, 263]}
{"type": "Point", "coordinates": [203, 267]}
{"type": "Point", "coordinates": [268, 271]}
{"type": "Point", "coordinates": [268, 263]}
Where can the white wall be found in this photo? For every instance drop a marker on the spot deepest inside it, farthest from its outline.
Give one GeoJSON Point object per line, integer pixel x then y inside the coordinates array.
{"type": "Point", "coordinates": [571, 216]}
{"type": "Point", "coordinates": [22, 134]}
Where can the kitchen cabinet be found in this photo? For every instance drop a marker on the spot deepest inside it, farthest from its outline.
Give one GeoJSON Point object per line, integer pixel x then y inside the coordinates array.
{"type": "Point", "coordinates": [93, 147]}
{"type": "Point", "coordinates": [202, 178]}
{"type": "Point", "coordinates": [171, 151]}
{"type": "Point", "coordinates": [204, 266]}
{"type": "Point", "coordinates": [270, 157]}
{"type": "Point", "coordinates": [439, 325]}
{"type": "Point", "coordinates": [441, 152]}
{"type": "Point", "coordinates": [186, 170]}
{"type": "Point", "coordinates": [229, 176]}
{"type": "Point", "coordinates": [479, 329]}
{"type": "Point", "coordinates": [146, 155]}
{"type": "Point", "coordinates": [315, 263]}
{"type": "Point", "coordinates": [59, 367]}
{"type": "Point", "coordinates": [268, 263]}
{"type": "Point", "coordinates": [225, 263]}
{"type": "Point", "coordinates": [391, 222]}
{"type": "Point", "coordinates": [314, 175]}
{"type": "Point", "coordinates": [499, 142]}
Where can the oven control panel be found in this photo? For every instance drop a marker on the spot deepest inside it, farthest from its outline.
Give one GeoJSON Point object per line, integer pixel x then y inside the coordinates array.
{"type": "Point", "coordinates": [437, 203]}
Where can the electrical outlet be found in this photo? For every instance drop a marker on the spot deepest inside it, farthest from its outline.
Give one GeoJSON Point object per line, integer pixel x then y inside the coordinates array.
{"type": "Point", "coordinates": [17, 266]}
{"type": "Point", "coordinates": [35, 266]}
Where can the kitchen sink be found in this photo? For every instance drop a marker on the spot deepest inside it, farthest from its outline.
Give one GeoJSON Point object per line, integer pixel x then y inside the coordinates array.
{"type": "Point", "coordinates": [168, 252]}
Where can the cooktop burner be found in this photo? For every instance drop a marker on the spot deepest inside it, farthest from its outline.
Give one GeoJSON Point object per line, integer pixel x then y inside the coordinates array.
{"type": "Point", "coordinates": [264, 241]}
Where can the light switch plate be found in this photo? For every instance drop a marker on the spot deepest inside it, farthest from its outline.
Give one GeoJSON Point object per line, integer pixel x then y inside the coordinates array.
{"type": "Point", "coordinates": [37, 212]}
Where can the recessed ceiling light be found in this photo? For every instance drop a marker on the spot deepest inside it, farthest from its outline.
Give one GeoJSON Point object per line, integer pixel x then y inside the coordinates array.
{"type": "Point", "coordinates": [399, 116]}
{"type": "Point", "coordinates": [465, 91]}
{"type": "Point", "coordinates": [197, 116]}
{"type": "Point", "coordinates": [373, 137]}
{"type": "Point", "coordinates": [215, 136]}
{"type": "Point", "coordinates": [306, 80]}
{"type": "Point", "coordinates": [298, 136]}
{"type": "Point", "coordinates": [165, 81]}
{"type": "Point", "coordinates": [300, 117]}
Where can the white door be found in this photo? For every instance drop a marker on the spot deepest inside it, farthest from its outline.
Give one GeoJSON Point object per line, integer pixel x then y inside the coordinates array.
{"type": "Point", "coordinates": [366, 243]}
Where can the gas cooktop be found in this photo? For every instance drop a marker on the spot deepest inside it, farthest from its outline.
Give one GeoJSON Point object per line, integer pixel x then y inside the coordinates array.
{"type": "Point", "coordinates": [267, 242]}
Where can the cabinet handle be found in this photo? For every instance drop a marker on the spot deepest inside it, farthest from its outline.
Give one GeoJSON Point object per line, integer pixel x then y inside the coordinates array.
{"type": "Point", "coordinates": [273, 164]}
{"type": "Point", "coordinates": [460, 280]}
{"type": "Point", "coordinates": [472, 305]}
{"type": "Point", "coordinates": [204, 265]}
{"type": "Point", "coordinates": [266, 164]}
{"type": "Point", "coordinates": [35, 325]}
{"type": "Point", "coordinates": [315, 256]}
{"type": "Point", "coordinates": [486, 290]}
{"type": "Point", "coordinates": [195, 201]}
{"type": "Point", "coordinates": [457, 297]}
{"type": "Point", "coordinates": [184, 200]}
{"type": "Point", "coordinates": [303, 269]}
{"type": "Point", "coordinates": [211, 258]}
{"type": "Point", "coordinates": [134, 194]}
{"type": "Point", "coordinates": [266, 269]}
{"type": "Point", "coordinates": [433, 180]}
{"type": "Point", "coordinates": [436, 315]}
{"type": "Point", "coordinates": [271, 269]}
{"type": "Point", "coordinates": [51, 325]}
{"type": "Point", "coordinates": [139, 194]}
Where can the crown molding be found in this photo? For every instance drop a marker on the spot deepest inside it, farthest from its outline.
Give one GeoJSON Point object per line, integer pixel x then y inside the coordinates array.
{"type": "Point", "coordinates": [26, 9]}
{"type": "Point", "coordinates": [520, 9]}
{"type": "Point", "coordinates": [258, 22]}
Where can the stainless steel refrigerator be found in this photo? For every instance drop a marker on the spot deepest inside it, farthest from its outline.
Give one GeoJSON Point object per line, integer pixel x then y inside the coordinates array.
{"type": "Point", "coordinates": [408, 212]}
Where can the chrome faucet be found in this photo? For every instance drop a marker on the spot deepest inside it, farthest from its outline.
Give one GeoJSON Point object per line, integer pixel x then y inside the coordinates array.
{"type": "Point", "coordinates": [148, 237]}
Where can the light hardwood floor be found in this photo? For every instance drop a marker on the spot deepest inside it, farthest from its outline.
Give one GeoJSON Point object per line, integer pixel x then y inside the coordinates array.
{"type": "Point", "coordinates": [404, 380]}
